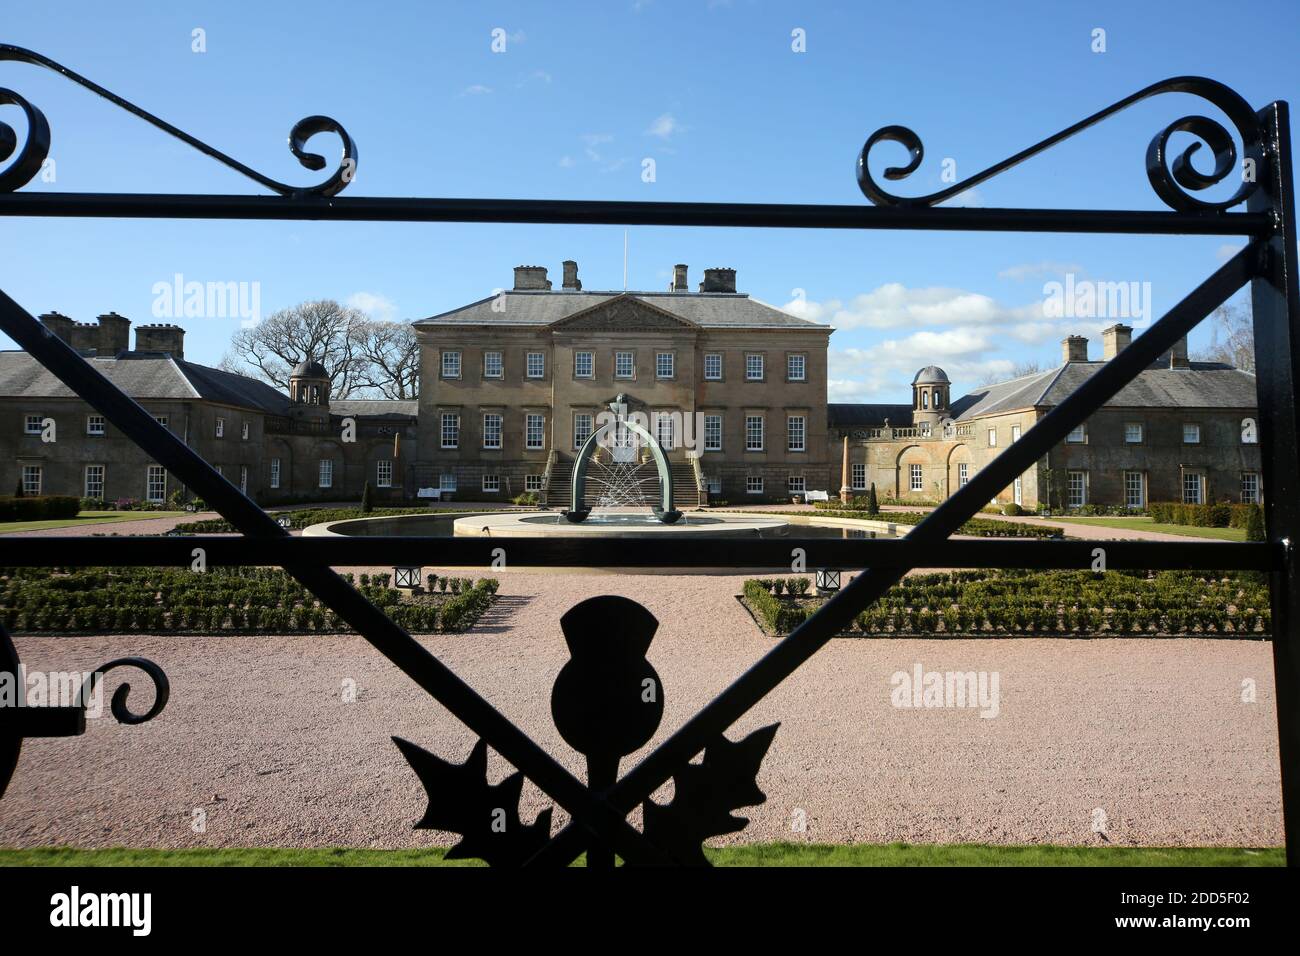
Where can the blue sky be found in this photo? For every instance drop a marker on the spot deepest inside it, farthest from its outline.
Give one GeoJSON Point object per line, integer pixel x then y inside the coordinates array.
{"type": "Point", "coordinates": [583, 94]}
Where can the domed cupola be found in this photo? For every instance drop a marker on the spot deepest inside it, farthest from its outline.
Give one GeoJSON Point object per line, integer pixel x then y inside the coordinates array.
{"type": "Point", "coordinates": [930, 395]}
{"type": "Point", "coordinates": [309, 383]}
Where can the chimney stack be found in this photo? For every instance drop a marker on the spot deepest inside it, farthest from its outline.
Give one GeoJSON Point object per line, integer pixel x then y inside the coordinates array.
{"type": "Point", "coordinates": [161, 338]}
{"type": "Point", "coordinates": [531, 277]}
{"type": "Point", "coordinates": [679, 279]}
{"type": "Point", "coordinates": [1178, 354]}
{"type": "Point", "coordinates": [1074, 348]}
{"type": "Point", "coordinates": [59, 325]}
{"type": "Point", "coordinates": [571, 276]}
{"type": "Point", "coordinates": [114, 334]}
{"type": "Point", "coordinates": [719, 280]}
{"type": "Point", "coordinates": [1115, 340]}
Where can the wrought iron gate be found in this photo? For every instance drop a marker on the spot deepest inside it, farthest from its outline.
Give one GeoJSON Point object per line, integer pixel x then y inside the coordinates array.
{"type": "Point", "coordinates": [600, 808]}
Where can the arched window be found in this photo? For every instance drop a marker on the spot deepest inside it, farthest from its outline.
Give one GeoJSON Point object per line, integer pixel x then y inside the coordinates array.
{"type": "Point", "coordinates": [925, 399]}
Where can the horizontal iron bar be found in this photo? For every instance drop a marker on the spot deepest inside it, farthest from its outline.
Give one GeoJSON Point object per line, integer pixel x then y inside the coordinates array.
{"type": "Point", "coordinates": [589, 212]}
{"type": "Point", "coordinates": [721, 553]}
{"type": "Point", "coordinates": [46, 721]}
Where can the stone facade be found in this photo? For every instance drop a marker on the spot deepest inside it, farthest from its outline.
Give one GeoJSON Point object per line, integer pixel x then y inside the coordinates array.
{"type": "Point", "coordinates": [1182, 431]}
{"type": "Point", "coordinates": [273, 447]}
{"type": "Point", "coordinates": [512, 385]}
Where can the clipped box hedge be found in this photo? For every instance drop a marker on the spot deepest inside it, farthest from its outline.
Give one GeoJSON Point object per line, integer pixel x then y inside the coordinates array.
{"type": "Point", "coordinates": [1221, 515]}
{"type": "Point", "coordinates": [38, 507]}
{"type": "Point", "coordinates": [165, 600]}
{"type": "Point", "coordinates": [1018, 603]}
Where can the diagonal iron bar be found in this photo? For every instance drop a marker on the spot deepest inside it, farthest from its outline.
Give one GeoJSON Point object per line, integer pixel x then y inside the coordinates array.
{"type": "Point", "coordinates": [780, 662]}
{"type": "Point", "coordinates": [369, 621]}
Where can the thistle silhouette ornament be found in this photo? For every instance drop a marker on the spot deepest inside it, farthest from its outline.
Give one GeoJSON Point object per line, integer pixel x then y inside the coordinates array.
{"type": "Point", "coordinates": [607, 702]}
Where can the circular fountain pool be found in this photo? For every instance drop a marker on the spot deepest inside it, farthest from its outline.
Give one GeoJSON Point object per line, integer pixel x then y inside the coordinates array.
{"type": "Point", "coordinates": [614, 523]}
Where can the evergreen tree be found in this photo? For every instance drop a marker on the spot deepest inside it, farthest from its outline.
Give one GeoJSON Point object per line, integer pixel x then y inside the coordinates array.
{"type": "Point", "coordinates": [367, 505]}
{"type": "Point", "coordinates": [1255, 524]}
{"type": "Point", "coordinates": [873, 506]}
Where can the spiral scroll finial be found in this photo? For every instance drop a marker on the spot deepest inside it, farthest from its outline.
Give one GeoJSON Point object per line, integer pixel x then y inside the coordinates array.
{"type": "Point", "coordinates": [37, 146]}
{"type": "Point", "coordinates": [1173, 183]}
{"type": "Point", "coordinates": [124, 715]}
{"type": "Point", "coordinates": [34, 149]}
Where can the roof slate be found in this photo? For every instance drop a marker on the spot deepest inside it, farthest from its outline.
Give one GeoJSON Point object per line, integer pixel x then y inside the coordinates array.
{"type": "Point", "coordinates": [144, 375]}
{"type": "Point", "coordinates": [373, 407]}
{"type": "Point", "coordinates": [707, 310]}
{"type": "Point", "coordinates": [1204, 385]}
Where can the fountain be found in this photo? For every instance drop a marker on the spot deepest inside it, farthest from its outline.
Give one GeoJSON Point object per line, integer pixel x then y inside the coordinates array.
{"type": "Point", "coordinates": [623, 472]}
{"type": "Point", "coordinates": [621, 479]}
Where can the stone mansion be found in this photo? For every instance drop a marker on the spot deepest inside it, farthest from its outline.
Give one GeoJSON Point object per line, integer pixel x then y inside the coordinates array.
{"type": "Point", "coordinates": [511, 386]}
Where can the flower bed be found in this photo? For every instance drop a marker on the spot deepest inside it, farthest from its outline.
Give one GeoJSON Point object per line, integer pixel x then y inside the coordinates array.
{"type": "Point", "coordinates": [266, 600]}
{"type": "Point", "coordinates": [1046, 603]}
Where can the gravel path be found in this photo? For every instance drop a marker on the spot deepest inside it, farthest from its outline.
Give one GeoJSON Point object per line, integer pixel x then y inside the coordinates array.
{"type": "Point", "coordinates": [257, 735]}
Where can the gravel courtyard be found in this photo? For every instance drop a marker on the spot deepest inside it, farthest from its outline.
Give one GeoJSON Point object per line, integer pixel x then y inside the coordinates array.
{"type": "Point", "coordinates": [1154, 734]}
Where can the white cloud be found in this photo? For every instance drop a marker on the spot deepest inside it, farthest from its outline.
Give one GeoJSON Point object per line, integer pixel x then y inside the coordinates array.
{"type": "Point", "coordinates": [478, 89]}
{"type": "Point", "coordinates": [591, 141]}
{"type": "Point", "coordinates": [374, 304]}
{"type": "Point", "coordinates": [537, 76]}
{"type": "Point", "coordinates": [894, 306]}
{"type": "Point", "coordinates": [883, 371]}
{"type": "Point", "coordinates": [967, 333]}
{"type": "Point", "coordinates": [1034, 270]}
{"type": "Point", "coordinates": [566, 162]}
{"type": "Point", "coordinates": [665, 127]}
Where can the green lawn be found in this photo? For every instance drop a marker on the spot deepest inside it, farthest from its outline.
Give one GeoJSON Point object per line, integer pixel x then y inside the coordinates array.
{"type": "Point", "coordinates": [85, 520]}
{"type": "Point", "coordinates": [1146, 524]}
{"type": "Point", "coordinates": [762, 854]}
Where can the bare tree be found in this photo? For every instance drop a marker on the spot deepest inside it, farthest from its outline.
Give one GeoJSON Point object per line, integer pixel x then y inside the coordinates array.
{"type": "Point", "coordinates": [1019, 370]}
{"type": "Point", "coordinates": [323, 331]}
{"type": "Point", "coordinates": [1232, 339]}
{"type": "Point", "coordinates": [389, 355]}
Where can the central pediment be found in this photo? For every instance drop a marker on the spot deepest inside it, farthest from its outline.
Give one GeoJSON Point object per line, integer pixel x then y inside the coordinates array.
{"type": "Point", "coordinates": [624, 313]}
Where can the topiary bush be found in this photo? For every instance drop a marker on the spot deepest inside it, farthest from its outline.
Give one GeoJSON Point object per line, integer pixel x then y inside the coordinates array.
{"type": "Point", "coordinates": [1255, 524]}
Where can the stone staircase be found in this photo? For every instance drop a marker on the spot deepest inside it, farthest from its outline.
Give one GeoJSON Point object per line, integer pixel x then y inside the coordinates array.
{"type": "Point", "coordinates": [557, 490]}
{"type": "Point", "coordinates": [686, 493]}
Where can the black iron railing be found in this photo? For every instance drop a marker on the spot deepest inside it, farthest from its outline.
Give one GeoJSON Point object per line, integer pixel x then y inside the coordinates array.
{"type": "Point", "coordinates": [725, 780]}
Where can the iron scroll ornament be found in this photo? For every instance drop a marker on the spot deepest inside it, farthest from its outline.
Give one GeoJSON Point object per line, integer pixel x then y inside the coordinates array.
{"type": "Point", "coordinates": [1171, 182]}
{"type": "Point", "coordinates": [19, 721]}
{"type": "Point", "coordinates": [37, 145]}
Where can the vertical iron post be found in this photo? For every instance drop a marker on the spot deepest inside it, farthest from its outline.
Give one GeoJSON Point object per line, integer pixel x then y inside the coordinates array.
{"type": "Point", "coordinates": [1276, 307]}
